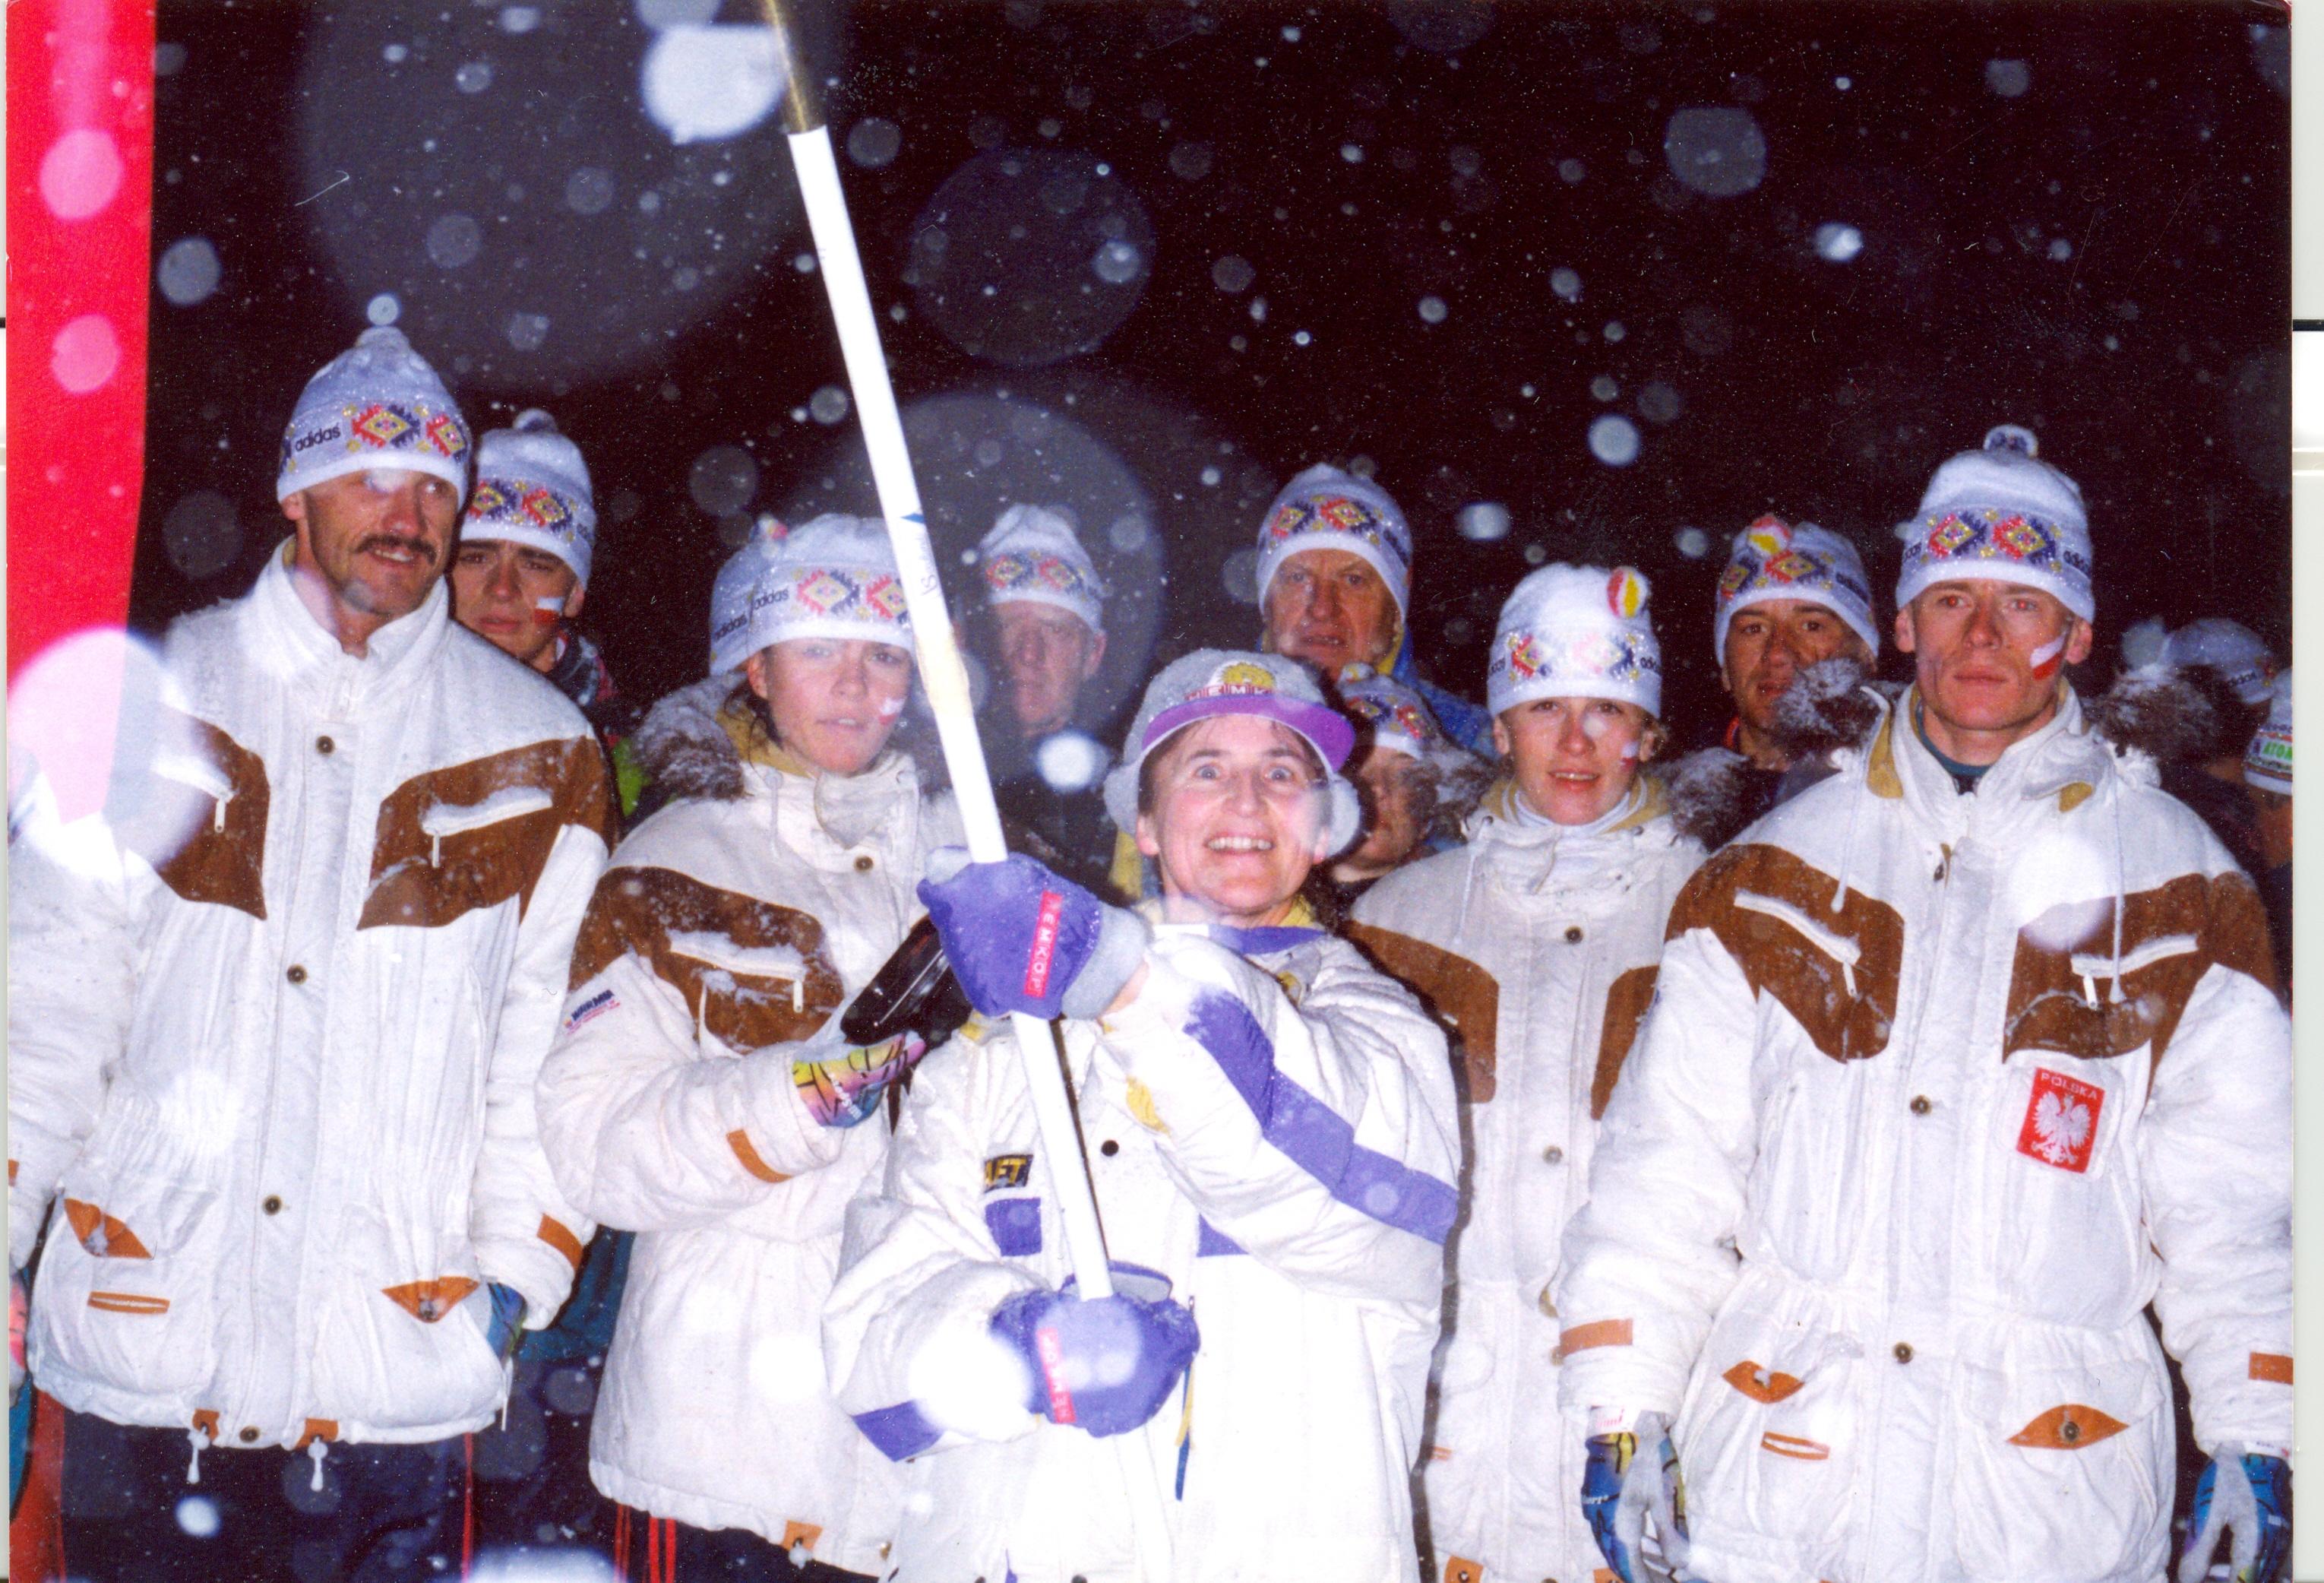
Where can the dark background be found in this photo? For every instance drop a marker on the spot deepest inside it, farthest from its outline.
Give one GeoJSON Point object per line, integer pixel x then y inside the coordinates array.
{"type": "Point", "coordinates": [2103, 257]}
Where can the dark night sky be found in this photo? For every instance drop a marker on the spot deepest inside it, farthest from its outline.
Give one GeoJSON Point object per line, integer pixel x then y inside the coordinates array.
{"type": "Point", "coordinates": [2102, 255]}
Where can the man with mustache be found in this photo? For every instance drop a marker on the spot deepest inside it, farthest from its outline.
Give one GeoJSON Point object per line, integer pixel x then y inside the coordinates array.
{"type": "Point", "coordinates": [274, 1016]}
{"type": "Point", "coordinates": [1966, 1055]}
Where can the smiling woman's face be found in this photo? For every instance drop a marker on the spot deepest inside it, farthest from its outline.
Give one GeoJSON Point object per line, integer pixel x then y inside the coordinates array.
{"type": "Point", "coordinates": [1235, 821]}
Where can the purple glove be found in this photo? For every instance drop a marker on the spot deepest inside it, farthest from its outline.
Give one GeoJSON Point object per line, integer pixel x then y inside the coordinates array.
{"type": "Point", "coordinates": [1105, 1365]}
{"type": "Point", "coordinates": [1021, 939]}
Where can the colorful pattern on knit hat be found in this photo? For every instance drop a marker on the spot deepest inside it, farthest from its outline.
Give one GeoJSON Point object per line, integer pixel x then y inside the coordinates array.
{"type": "Point", "coordinates": [377, 405]}
{"type": "Point", "coordinates": [1325, 508]}
{"type": "Point", "coordinates": [532, 488]}
{"type": "Point", "coordinates": [1031, 554]}
{"type": "Point", "coordinates": [2268, 762]}
{"type": "Point", "coordinates": [1998, 513]}
{"type": "Point", "coordinates": [1775, 559]}
{"type": "Point", "coordinates": [1390, 715]}
{"type": "Point", "coordinates": [1576, 631]}
{"type": "Point", "coordinates": [834, 576]}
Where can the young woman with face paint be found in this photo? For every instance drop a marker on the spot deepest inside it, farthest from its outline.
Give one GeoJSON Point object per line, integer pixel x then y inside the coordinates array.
{"type": "Point", "coordinates": [1538, 939]}
{"type": "Point", "coordinates": [701, 1092]}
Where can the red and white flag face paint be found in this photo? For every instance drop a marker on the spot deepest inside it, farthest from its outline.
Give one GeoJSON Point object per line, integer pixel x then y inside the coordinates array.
{"type": "Point", "coordinates": [2047, 657]}
{"type": "Point", "coordinates": [2061, 1120]}
{"type": "Point", "coordinates": [549, 610]}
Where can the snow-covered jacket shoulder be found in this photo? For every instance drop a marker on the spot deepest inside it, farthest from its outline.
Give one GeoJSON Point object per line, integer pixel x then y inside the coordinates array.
{"type": "Point", "coordinates": [697, 1095]}
{"type": "Point", "coordinates": [309, 959]}
{"type": "Point", "coordinates": [1939, 1091]}
{"type": "Point", "coordinates": [1273, 1130]}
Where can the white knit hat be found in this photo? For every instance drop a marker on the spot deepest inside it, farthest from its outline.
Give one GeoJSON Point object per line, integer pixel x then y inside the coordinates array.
{"type": "Point", "coordinates": [730, 595]}
{"type": "Point", "coordinates": [2268, 762]}
{"type": "Point", "coordinates": [1031, 554]}
{"type": "Point", "coordinates": [1386, 714]}
{"type": "Point", "coordinates": [1774, 560]}
{"type": "Point", "coordinates": [834, 576]}
{"type": "Point", "coordinates": [1576, 631]}
{"type": "Point", "coordinates": [1325, 508]}
{"type": "Point", "coordinates": [532, 488]}
{"type": "Point", "coordinates": [1210, 682]}
{"type": "Point", "coordinates": [2229, 647]}
{"type": "Point", "coordinates": [1997, 512]}
{"type": "Point", "coordinates": [377, 405]}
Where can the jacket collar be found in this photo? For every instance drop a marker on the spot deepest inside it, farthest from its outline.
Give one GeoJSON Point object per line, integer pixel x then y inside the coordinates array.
{"type": "Point", "coordinates": [2056, 768]}
{"type": "Point", "coordinates": [291, 643]}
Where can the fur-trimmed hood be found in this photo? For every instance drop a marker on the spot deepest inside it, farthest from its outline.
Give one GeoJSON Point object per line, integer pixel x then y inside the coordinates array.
{"type": "Point", "coordinates": [2168, 714]}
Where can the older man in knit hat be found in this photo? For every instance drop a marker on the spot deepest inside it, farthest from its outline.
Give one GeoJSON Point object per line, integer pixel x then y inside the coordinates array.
{"type": "Point", "coordinates": [521, 571]}
{"type": "Point", "coordinates": [1334, 584]}
{"type": "Point", "coordinates": [1047, 609]}
{"type": "Point", "coordinates": [274, 1017]}
{"type": "Point", "coordinates": [1964, 1059]}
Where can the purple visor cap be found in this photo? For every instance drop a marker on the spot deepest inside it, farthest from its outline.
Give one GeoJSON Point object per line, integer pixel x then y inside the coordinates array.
{"type": "Point", "coordinates": [1326, 729]}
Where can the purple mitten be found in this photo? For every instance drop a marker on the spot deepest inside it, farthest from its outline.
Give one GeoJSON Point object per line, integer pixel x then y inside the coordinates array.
{"type": "Point", "coordinates": [1022, 938]}
{"type": "Point", "coordinates": [1105, 1365]}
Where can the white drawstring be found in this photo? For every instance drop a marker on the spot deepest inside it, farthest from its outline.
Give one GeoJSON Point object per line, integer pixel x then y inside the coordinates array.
{"type": "Point", "coordinates": [194, 1437]}
{"type": "Point", "coordinates": [1468, 884]}
{"type": "Point", "coordinates": [1847, 850]}
{"type": "Point", "coordinates": [2121, 902]}
{"type": "Point", "coordinates": [316, 1449]}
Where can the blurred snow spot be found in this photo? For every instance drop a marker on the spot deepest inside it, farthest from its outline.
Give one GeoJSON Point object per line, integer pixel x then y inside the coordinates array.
{"type": "Point", "coordinates": [198, 1516]}
{"type": "Point", "coordinates": [874, 141]}
{"type": "Point", "coordinates": [1535, 555]}
{"type": "Point", "coordinates": [1129, 534]}
{"type": "Point", "coordinates": [1565, 282]}
{"type": "Point", "coordinates": [1210, 477]}
{"type": "Point", "coordinates": [1432, 310]}
{"type": "Point", "coordinates": [188, 271]}
{"type": "Point", "coordinates": [1837, 243]}
{"type": "Point", "coordinates": [989, 453]}
{"type": "Point", "coordinates": [1353, 152]}
{"type": "Point", "coordinates": [2009, 78]}
{"type": "Point", "coordinates": [454, 240]}
{"type": "Point", "coordinates": [168, 59]}
{"type": "Point", "coordinates": [571, 1391]}
{"type": "Point", "coordinates": [1484, 521]}
{"type": "Point", "coordinates": [1716, 150]}
{"type": "Point", "coordinates": [1238, 574]}
{"type": "Point", "coordinates": [1191, 161]}
{"type": "Point", "coordinates": [2060, 249]}
{"type": "Point", "coordinates": [969, 1380]}
{"type": "Point", "coordinates": [1603, 388]}
{"type": "Point", "coordinates": [589, 190]}
{"type": "Point", "coordinates": [1069, 761]}
{"type": "Point", "coordinates": [1614, 441]}
{"type": "Point", "coordinates": [520, 19]}
{"type": "Point", "coordinates": [658, 15]}
{"type": "Point", "coordinates": [1117, 263]}
{"type": "Point", "coordinates": [396, 54]}
{"type": "Point", "coordinates": [474, 77]}
{"type": "Point", "coordinates": [1291, 35]}
{"type": "Point", "coordinates": [806, 263]}
{"type": "Point", "coordinates": [1232, 273]}
{"type": "Point", "coordinates": [1614, 330]}
{"type": "Point", "coordinates": [1658, 403]}
{"type": "Point", "coordinates": [2271, 54]}
{"type": "Point", "coordinates": [1300, 338]}
{"type": "Point", "coordinates": [80, 174]}
{"type": "Point", "coordinates": [527, 331]}
{"type": "Point", "coordinates": [712, 81]}
{"type": "Point", "coordinates": [828, 404]}
{"type": "Point", "coordinates": [543, 1564]}
{"type": "Point", "coordinates": [201, 535]}
{"type": "Point", "coordinates": [1571, 172]}
{"type": "Point", "coordinates": [85, 354]}
{"type": "Point", "coordinates": [722, 480]}
{"type": "Point", "coordinates": [1692, 542]}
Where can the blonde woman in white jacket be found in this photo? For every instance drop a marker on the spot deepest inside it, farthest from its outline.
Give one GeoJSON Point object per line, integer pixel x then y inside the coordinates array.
{"type": "Point", "coordinates": [701, 1094]}
{"type": "Point", "coordinates": [1537, 940]}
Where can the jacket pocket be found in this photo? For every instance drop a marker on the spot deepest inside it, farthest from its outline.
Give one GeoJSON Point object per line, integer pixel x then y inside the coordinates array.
{"type": "Point", "coordinates": [2066, 1232]}
{"type": "Point", "coordinates": [128, 1286]}
{"type": "Point", "coordinates": [400, 1343]}
{"type": "Point", "coordinates": [1769, 1439]}
{"type": "Point", "coordinates": [2058, 1472]}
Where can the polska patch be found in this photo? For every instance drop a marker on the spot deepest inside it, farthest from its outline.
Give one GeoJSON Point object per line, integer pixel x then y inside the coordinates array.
{"type": "Point", "coordinates": [2061, 1120]}
{"type": "Point", "coordinates": [1007, 1171]}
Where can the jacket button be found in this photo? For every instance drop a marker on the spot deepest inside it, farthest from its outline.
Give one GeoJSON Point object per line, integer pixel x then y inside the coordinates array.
{"type": "Point", "coordinates": [248, 1436]}
{"type": "Point", "coordinates": [272, 1204]}
{"type": "Point", "coordinates": [324, 744]}
{"type": "Point", "coordinates": [297, 974]}
{"type": "Point", "coordinates": [863, 863]}
{"type": "Point", "coordinates": [1921, 1106]}
{"type": "Point", "coordinates": [1903, 1352]}
{"type": "Point", "coordinates": [1109, 1148]}
{"type": "Point", "coordinates": [1553, 1155]}
{"type": "Point", "coordinates": [2069, 1432]}
{"type": "Point", "coordinates": [1574, 935]}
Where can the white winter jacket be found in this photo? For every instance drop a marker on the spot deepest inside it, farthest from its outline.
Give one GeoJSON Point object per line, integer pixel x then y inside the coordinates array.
{"type": "Point", "coordinates": [274, 1024]}
{"type": "Point", "coordinates": [1270, 1124]}
{"type": "Point", "coordinates": [1939, 1092]}
{"type": "Point", "coordinates": [1538, 943]}
{"type": "Point", "coordinates": [731, 929]}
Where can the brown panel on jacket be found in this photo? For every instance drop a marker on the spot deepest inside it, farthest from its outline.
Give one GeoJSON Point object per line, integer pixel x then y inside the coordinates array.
{"type": "Point", "coordinates": [2051, 1007]}
{"type": "Point", "coordinates": [640, 909]}
{"type": "Point", "coordinates": [1460, 995]}
{"type": "Point", "coordinates": [1627, 1000]}
{"type": "Point", "coordinates": [203, 851]}
{"type": "Point", "coordinates": [1846, 1009]}
{"type": "Point", "coordinates": [421, 881]}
